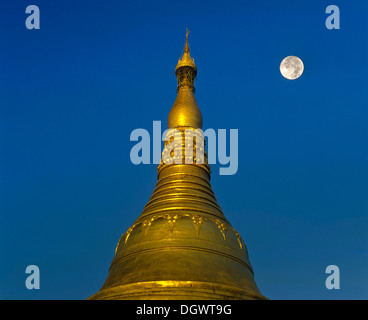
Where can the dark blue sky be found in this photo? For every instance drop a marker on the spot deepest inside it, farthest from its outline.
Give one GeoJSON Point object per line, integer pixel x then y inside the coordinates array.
{"type": "Point", "coordinates": [72, 92]}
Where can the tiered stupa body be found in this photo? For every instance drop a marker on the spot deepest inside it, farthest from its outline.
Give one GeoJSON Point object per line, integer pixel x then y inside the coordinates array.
{"type": "Point", "coordinates": [181, 246]}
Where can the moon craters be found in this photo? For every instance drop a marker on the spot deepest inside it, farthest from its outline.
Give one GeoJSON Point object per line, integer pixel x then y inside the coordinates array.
{"type": "Point", "coordinates": [292, 67]}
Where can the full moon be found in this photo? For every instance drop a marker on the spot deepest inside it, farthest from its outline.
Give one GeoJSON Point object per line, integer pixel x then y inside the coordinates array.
{"type": "Point", "coordinates": [292, 67]}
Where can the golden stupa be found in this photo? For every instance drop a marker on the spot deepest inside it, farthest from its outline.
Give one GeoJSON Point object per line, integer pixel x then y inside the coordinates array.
{"type": "Point", "coordinates": [181, 246]}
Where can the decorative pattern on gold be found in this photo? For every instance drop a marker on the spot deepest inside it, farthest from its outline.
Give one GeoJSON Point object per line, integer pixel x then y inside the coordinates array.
{"type": "Point", "coordinates": [171, 220]}
{"type": "Point", "coordinates": [197, 220]}
{"type": "Point", "coordinates": [239, 240]}
{"type": "Point", "coordinates": [222, 228]}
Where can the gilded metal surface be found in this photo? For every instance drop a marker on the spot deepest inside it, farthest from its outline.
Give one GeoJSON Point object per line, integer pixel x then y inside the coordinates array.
{"type": "Point", "coordinates": [181, 246]}
{"type": "Point", "coordinates": [185, 111]}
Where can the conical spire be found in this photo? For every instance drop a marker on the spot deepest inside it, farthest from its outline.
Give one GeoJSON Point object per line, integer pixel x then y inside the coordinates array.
{"type": "Point", "coordinates": [181, 246]}
{"type": "Point", "coordinates": [186, 60]}
{"type": "Point", "coordinates": [185, 111]}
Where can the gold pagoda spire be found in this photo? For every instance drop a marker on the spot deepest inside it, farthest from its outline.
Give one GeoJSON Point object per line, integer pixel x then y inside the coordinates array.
{"type": "Point", "coordinates": [181, 246]}
{"type": "Point", "coordinates": [186, 60]}
{"type": "Point", "coordinates": [185, 111]}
